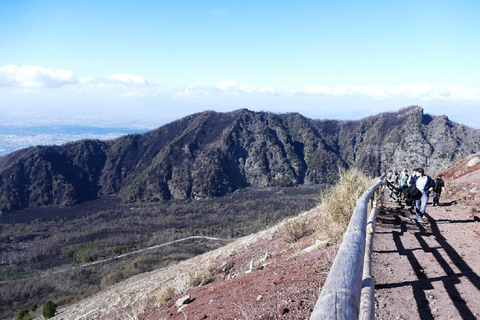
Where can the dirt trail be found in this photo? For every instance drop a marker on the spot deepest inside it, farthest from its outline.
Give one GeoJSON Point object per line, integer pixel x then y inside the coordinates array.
{"type": "Point", "coordinates": [428, 271]}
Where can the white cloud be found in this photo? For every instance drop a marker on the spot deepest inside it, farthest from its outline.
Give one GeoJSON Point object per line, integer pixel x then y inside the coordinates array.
{"type": "Point", "coordinates": [422, 92]}
{"type": "Point", "coordinates": [128, 79]}
{"type": "Point", "coordinates": [225, 84]}
{"type": "Point", "coordinates": [34, 77]}
{"type": "Point", "coordinates": [123, 84]}
{"type": "Point", "coordinates": [86, 80]}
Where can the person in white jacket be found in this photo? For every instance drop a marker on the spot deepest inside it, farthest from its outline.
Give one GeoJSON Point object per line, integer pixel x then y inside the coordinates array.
{"type": "Point", "coordinates": [425, 184]}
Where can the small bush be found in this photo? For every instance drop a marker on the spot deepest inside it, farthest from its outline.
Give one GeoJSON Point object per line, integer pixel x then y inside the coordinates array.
{"type": "Point", "coordinates": [294, 229]}
{"type": "Point", "coordinates": [184, 281]}
{"type": "Point", "coordinates": [196, 279]}
{"type": "Point", "coordinates": [165, 295]}
{"type": "Point", "coordinates": [49, 309]}
{"type": "Point", "coordinates": [23, 315]}
{"type": "Point", "coordinates": [338, 203]}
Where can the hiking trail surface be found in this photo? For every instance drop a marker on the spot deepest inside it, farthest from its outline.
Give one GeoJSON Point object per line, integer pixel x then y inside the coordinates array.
{"type": "Point", "coordinates": [431, 270]}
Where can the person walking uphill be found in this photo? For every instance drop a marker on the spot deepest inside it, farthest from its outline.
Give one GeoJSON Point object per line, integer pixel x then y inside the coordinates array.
{"type": "Point", "coordinates": [437, 190]}
{"type": "Point", "coordinates": [425, 184]}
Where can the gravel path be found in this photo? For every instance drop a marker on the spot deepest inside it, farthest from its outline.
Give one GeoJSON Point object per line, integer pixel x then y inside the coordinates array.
{"type": "Point", "coordinates": [428, 271]}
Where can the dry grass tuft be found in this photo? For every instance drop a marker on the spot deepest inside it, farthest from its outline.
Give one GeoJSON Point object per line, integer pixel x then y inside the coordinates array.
{"type": "Point", "coordinates": [294, 229]}
{"type": "Point", "coordinates": [338, 203]}
{"type": "Point", "coordinates": [166, 294]}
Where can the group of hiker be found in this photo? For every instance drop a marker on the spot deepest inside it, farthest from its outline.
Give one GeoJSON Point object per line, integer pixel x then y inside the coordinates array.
{"type": "Point", "coordinates": [414, 189]}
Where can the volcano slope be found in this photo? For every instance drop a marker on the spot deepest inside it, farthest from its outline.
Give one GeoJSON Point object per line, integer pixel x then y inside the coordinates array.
{"type": "Point", "coordinates": [421, 271]}
{"type": "Point", "coordinates": [260, 276]}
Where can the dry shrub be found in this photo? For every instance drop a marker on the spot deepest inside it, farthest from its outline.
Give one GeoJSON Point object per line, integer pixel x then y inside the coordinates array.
{"type": "Point", "coordinates": [184, 281]}
{"type": "Point", "coordinates": [338, 203]}
{"type": "Point", "coordinates": [165, 295]}
{"type": "Point", "coordinates": [294, 229]}
{"type": "Point", "coordinates": [196, 279]}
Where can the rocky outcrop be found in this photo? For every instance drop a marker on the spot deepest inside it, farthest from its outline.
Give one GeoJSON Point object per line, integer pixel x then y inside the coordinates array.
{"type": "Point", "coordinates": [212, 154]}
{"type": "Point", "coordinates": [43, 176]}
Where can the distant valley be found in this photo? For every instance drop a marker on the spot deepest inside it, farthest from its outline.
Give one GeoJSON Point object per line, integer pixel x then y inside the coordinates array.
{"type": "Point", "coordinates": [15, 137]}
{"type": "Point", "coordinates": [48, 252]}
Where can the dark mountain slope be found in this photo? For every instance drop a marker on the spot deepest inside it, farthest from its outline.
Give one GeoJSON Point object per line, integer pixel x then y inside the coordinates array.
{"type": "Point", "coordinates": [41, 176]}
{"type": "Point", "coordinates": [211, 154]}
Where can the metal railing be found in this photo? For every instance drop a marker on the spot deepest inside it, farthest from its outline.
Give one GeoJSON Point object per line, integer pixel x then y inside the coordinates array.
{"type": "Point", "coordinates": [348, 292]}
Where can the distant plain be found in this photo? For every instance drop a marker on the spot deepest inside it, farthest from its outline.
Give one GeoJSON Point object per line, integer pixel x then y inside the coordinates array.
{"type": "Point", "coordinates": [16, 137]}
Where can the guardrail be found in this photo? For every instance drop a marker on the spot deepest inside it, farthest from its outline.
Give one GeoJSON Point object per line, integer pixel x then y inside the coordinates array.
{"type": "Point", "coordinates": [348, 292]}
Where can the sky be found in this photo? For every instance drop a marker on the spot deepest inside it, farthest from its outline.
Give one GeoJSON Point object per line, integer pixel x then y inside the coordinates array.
{"type": "Point", "coordinates": [141, 64]}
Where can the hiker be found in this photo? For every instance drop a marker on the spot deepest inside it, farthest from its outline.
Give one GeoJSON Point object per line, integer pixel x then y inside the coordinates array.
{"type": "Point", "coordinates": [395, 177]}
{"type": "Point", "coordinates": [403, 182]}
{"type": "Point", "coordinates": [392, 183]}
{"type": "Point", "coordinates": [409, 190]}
{"type": "Point", "coordinates": [437, 189]}
{"type": "Point", "coordinates": [425, 184]}
{"type": "Point", "coordinates": [413, 177]}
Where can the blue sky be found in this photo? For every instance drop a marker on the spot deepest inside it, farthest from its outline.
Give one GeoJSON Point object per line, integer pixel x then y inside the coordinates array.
{"type": "Point", "coordinates": [146, 63]}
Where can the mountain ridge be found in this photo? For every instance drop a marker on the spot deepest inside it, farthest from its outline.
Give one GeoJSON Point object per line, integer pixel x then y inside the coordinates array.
{"type": "Point", "coordinates": [212, 154]}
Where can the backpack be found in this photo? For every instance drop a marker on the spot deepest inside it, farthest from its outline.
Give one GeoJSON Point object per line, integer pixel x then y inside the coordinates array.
{"type": "Point", "coordinates": [412, 192]}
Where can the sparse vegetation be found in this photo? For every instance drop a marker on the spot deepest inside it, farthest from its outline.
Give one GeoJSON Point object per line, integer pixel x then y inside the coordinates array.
{"type": "Point", "coordinates": [23, 315]}
{"type": "Point", "coordinates": [196, 279]}
{"type": "Point", "coordinates": [165, 295]}
{"type": "Point", "coordinates": [338, 203]}
{"type": "Point", "coordinates": [294, 229]}
{"type": "Point", "coordinates": [35, 243]}
{"type": "Point", "coordinates": [49, 309]}
{"type": "Point", "coordinates": [84, 252]}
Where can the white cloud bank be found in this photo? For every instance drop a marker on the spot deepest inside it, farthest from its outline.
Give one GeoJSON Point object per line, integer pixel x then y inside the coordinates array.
{"type": "Point", "coordinates": [34, 77]}
{"type": "Point", "coordinates": [423, 92]}
{"type": "Point", "coordinates": [135, 86]}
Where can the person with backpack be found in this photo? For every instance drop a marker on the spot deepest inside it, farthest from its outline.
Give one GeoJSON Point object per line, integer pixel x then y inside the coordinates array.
{"type": "Point", "coordinates": [437, 190]}
{"type": "Point", "coordinates": [424, 184]}
{"type": "Point", "coordinates": [409, 192]}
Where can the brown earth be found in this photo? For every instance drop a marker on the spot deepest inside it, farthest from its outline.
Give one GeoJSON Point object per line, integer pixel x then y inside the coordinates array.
{"type": "Point", "coordinates": [426, 271]}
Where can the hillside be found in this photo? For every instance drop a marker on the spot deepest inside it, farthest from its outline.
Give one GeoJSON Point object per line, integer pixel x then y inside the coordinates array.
{"type": "Point", "coordinates": [285, 279]}
{"type": "Point", "coordinates": [213, 154]}
{"type": "Point", "coordinates": [69, 253]}
{"type": "Point", "coordinates": [256, 275]}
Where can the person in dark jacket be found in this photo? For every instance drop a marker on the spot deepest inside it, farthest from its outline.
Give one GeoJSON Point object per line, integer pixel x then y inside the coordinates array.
{"type": "Point", "coordinates": [413, 177]}
{"type": "Point", "coordinates": [437, 190]}
{"type": "Point", "coordinates": [425, 184]}
{"type": "Point", "coordinates": [410, 181]}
